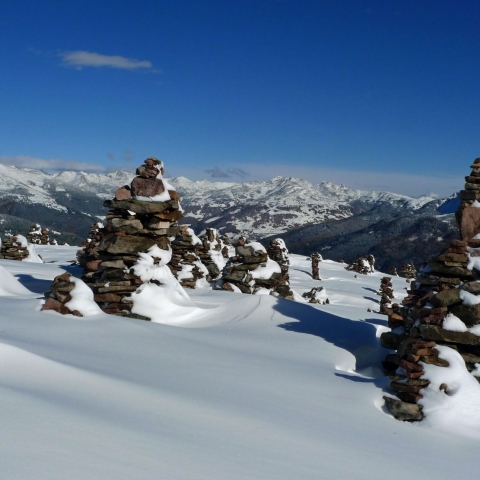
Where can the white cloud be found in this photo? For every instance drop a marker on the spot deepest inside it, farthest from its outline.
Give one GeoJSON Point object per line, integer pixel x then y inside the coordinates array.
{"type": "Point", "coordinates": [80, 59]}
{"type": "Point", "coordinates": [50, 164]}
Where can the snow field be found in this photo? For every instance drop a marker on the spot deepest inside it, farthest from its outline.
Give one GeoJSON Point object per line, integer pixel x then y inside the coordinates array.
{"type": "Point", "coordinates": [259, 388]}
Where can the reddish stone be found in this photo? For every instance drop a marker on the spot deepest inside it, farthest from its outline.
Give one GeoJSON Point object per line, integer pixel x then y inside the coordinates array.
{"type": "Point", "coordinates": [469, 223]}
{"type": "Point", "coordinates": [64, 277]}
{"type": "Point", "coordinates": [409, 397]}
{"type": "Point", "coordinates": [410, 366]}
{"type": "Point", "coordinates": [174, 195]}
{"type": "Point", "coordinates": [55, 305]}
{"type": "Point", "coordinates": [123, 193]}
{"type": "Point", "coordinates": [172, 216]}
{"type": "Point", "coordinates": [77, 313]}
{"type": "Point", "coordinates": [93, 265]}
{"type": "Point", "coordinates": [147, 187]}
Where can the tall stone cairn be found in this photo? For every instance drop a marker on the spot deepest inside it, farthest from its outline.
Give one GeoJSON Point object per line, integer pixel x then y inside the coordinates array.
{"type": "Point", "coordinates": [277, 250]}
{"type": "Point", "coordinates": [440, 296]}
{"type": "Point", "coordinates": [386, 294]}
{"type": "Point", "coordinates": [316, 258]}
{"type": "Point", "coordinates": [141, 215]}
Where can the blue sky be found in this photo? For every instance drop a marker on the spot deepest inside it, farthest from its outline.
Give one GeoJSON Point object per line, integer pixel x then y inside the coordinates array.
{"type": "Point", "coordinates": [376, 94]}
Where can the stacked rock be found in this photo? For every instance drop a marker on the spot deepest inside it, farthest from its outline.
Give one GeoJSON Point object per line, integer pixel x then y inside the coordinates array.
{"type": "Point", "coordinates": [317, 295]}
{"type": "Point", "coordinates": [142, 215]}
{"type": "Point", "coordinates": [363, 265]}
{"type": "Point", "coordinates": [277, 251]}
{"type": "Point", "coordinates": [37, 235]}
{"type": "Point", "coordinates": [442, 309]}
{"type": "Point", "coordinates": [59, 295]}
{"type": "Point", "coordinates": [408, 271]}
{"type": "Point", "coordinates": [185, 264]}
{"type": "Point", "coordinates": [252, 271]}
{"type": "Point", "coordinates": [215, 253]}
{"type": "Point", "coordinates": [14, 248]}
{"type": "Point", "coordinates": [316, 258]}
{"type": "Point", "coordinates": [90, 244]}
{"type": "Point", "coordinates": [386, 294]}
{"type": "Point", "coordinates": [393, 272]}
{"type": "Point", "coordinates": [468, 214]}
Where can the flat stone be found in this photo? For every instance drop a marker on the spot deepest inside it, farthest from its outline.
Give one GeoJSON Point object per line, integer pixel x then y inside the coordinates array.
{"type": "Point", "coordinates": [127, 226]}
{"type": "Point", "coordinates": [55, 305]}
{"type": "Point", "coordinates": [406, 412]}
{"type": "Point", "coordinates": [113, 264]}
{"type": "Point", "coordinates": [453, 257]}
{"type": "Point", "coordinates": [127, 244]}
{"type": "Point", "coordinates": [451, 270]}
{"type": "Point", "coordinates": [107, 298]}
{"type": "Point", "coordinates": [438, 334]}
{"type": "Point", "coordinates": [446, 298]}
{"type": "Point", "coordinates": [140, 207]}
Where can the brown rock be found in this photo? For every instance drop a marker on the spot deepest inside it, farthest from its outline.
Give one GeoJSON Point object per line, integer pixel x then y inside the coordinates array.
{"type": "Point", "coordinates": [123, 193]}
{"type": "Point", "coordinates": [446, 298]}
{"type": "Point", "coordinates": [174, 195]}
{"type": "Point", "coordinates": [147, 187]}
{"type": "Point", "coordinates": [469, 223]}
{"type": "Point", "coordinates": [438, 334]}
{"type": "Point", "coordinates": [52, 304]}
{"type": "Point", "coordinates": [402, 410]}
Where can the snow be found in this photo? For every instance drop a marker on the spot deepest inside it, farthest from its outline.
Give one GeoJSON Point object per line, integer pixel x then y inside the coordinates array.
{"type": "Point", "coordinates": [82, 299]}
{"type": "Point", "coordinates": [266, 270]}
{"type": "Point", "coordinates": [475, 204]}
{"type": "Point", "coordinates": [454, 410]}
{"type": "Point", "coordinates": [251, 386]}
{"type": "Point", "coordinates": [468, 298]}
{"type": "Point", "coordinates": [453, 324]}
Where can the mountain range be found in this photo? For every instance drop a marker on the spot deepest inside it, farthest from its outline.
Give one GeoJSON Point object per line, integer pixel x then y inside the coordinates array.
{"type": "Point", "coordinates": [339, 222]}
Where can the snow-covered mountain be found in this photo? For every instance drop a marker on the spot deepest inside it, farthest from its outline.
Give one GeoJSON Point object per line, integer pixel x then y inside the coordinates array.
{"type": "Point", "coordinates": [331, 217]}
{"type": "Point", "coordinates": [261, 209]}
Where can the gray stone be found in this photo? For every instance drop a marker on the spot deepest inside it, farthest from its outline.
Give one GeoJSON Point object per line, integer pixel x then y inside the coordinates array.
{"type": "Point", "coordinates": [116, 244]}
{"type": "Point", "coordinates": [406, 412]}
{"type": "Point", "coordinates": [438, 334]}
{"type": "Point", "coordinates": [140, 207]}
{"type": "Point", "coordinates": [391, 340]}
{"type": "Point", "coordinates": [446, 298]}
{"type": "Point", "coordinates": [469, 314]}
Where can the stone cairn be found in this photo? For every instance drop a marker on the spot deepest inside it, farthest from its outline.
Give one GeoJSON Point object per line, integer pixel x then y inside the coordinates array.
{"type": "Point", "coordinates": [442, 307]}
{"type": "Point", "coordinates": [408, 271]}
{"type": "Point", "coordinates": [251, 270]}
{"type": "Point", "coordinates": [393, 272]}
{"type": "Point", "coordinates": [215, 252]}
{"type": "Point", "coordinates": [186, 265]}
{"type": "Point", "coordinates": [316, 258]}
{"type": "Point", "coordinates": [317, 295]}
{"type": "Point", "coordinates": [14, 248]}
{"type": "Point", "coordinates": [363, 265]}
{"type": "Point", "coordinates": [141, 215]}
{"type": "Point", "coordinates": [90, 244]}
{"type": "Point", "coordinates": [386, 294]}
{"type": "Point", "coordinates": [37, 235]}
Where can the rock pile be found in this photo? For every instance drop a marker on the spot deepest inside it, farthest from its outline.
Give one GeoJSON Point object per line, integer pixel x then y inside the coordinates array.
{"type": "Point", "coordinates": [442, 308]}
{"type": "Point", "coordinates": [186, 264]}
{"type": "Point", "coordinates": [37, 235]}
{"type": "Point", "coordinates": [386, 294]}
{"type": "Point", "coordinates": [408, 271]}
{"type": "Point", "coordinates": [252, 271]}
{"type": "Point", "coordinates": [90, 244]}
{"type": "Point", "coordinates": [317, 295]}
{"type": "Point", "coordinates": [363, 265]}
{"type": "Point", "coordinates": [142, 215]}
{"type": "Point", "coordinates": [278, 252]}
{"type": "Point", "coordinates": [316, 258]}
{"type": "Point", "coordinates": [393, 272]}
{"type": "Point", "coordinates": [15, 248]}
{"type": "Point", "coordinates": [215, 253]}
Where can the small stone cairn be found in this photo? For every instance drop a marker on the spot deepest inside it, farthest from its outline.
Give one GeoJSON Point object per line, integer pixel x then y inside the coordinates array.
{"type": "Point", "coordinates": [186, 265]}
{"type": "Point", "coordinates": [316, 258]}
{"type": "Point", "coordinates": [317, 295]}
{"type": "Point", "coordinates": [442, 307]}
{"type": "Point", "coordinates": [408, 271]}
{"type": "Point", "coordinates": [90, 244]}
{"type": "Point", "coordinates": [363, 265]}
{"type": "Point", "coordinates": [251, 271]}
{"type": "Point", "coordinates": [37, 235]}
{"type": "Point", "coordinates": [393, 272]}
{"type": "Point", "coordinates": [386, 294]}
{"type": "Point", "coordinates": [14, 248]}
{"type": "Point", "coordinates": [142, 215]}
{"type": "Point", "coordinates": [215, 252]}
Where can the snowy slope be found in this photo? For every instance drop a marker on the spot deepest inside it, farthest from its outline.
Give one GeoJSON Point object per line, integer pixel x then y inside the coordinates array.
{"type": "Point", "coordinates": [269, 389]}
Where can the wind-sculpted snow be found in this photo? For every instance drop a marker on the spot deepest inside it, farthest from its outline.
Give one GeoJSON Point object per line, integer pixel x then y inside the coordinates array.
{"type": "Point", "coordinates": [253, 387]}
